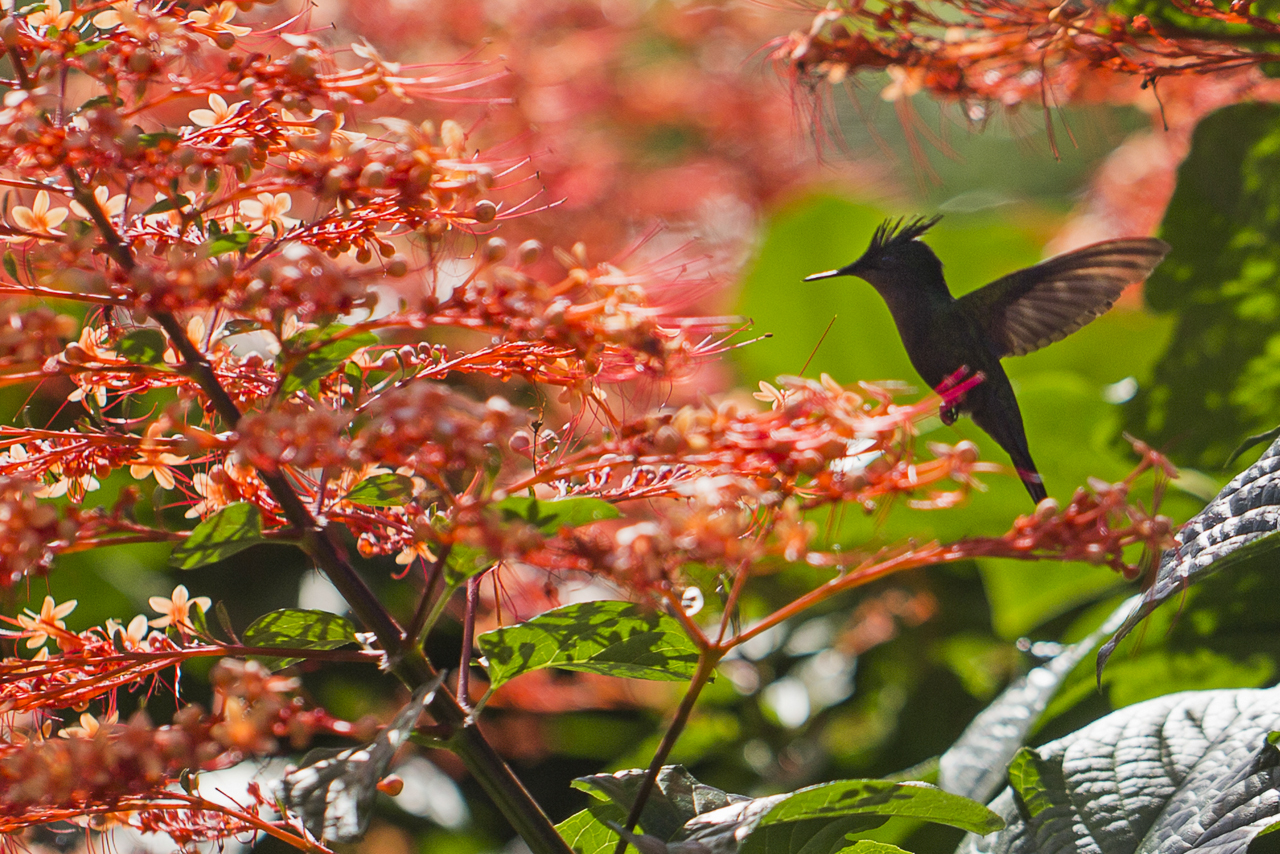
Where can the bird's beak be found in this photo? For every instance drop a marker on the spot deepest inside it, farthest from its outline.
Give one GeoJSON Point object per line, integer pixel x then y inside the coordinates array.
{"type": "Point", "coordinates": [829, 274]}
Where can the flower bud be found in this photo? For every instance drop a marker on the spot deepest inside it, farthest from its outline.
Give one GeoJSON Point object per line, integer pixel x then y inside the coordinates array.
{"type": "Point", "coordinates": [529, 252]}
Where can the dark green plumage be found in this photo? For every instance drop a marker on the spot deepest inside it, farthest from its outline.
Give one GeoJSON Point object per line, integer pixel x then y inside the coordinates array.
{"type": "Point", "coordinates": [1013, 315]}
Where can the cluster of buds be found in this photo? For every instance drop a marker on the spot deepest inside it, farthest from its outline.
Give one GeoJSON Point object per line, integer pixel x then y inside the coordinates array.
{"type": "Point", "coordinates": [1099, 525]}
{"type": "Point", "coordinates": [981, 53]}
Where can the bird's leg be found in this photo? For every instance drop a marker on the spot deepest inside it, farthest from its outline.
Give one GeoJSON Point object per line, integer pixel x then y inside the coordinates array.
{"type": "Point", "coordinates": [949, 412]}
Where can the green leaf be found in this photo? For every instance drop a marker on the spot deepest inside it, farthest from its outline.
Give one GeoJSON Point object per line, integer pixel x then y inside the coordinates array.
{"type": "Point", "coordinates": [233, 241]}
{"type": "Point", "coordinates": [382, 490]}
{"type": "Point", "coordinates": [676, 798]}
{"type": "Point", "coordinates": [870, 846]}
{"type": "Point", "coordinates": [11, 265]}
{"type": "Point", "coordinates": [323, 354]}
{"type": "Point", "coordinates": [814, 836]}
{"type": "Point", "coordinates": [881, 798]}
{"type": "Point", "coordinates": [151, 140]}
{"type": "Point", "coordinates": [465, 562]}
{"type": "Point", "coordinates": [143, 346]}
{"type": "Point", "coordinates": [585, 832]}
{"type": "Point", "coordinates": [89, 47]}
{"type": "Point", "coordinates": [1257, 439]}
{"type": "Point", "coordinates": [613, 638]}
{"type": "Point", "coordinates": [232, 529]}
{"type": "Point", "coordinates": [550, 516]}
{"type": "Point", "coordinates": [199, 619]}
{"type": "Point", "coordinates": [295, 628]}
{"type": "Point", "coordinates": [98, 101]}
{"type": "Point", "coordinates": [169, 203]}
{"type": "Point", "coordinates": [355, 378]}
{"type": "Point", "coordinates": [1027, 777]}
{"type": "Point", "coordinates": [1189, 771]}
{"type": "Point", "coordinates": [1219, 378]}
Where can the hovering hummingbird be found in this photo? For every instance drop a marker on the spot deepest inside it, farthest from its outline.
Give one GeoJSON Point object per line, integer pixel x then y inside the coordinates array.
{"type": "Point", "coordinates": [1013, 315]}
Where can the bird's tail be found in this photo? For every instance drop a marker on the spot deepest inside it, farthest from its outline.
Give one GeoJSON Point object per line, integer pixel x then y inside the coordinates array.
{"type": "Point", "coordinates": [1008, 433]}
{"type": "Point", "coordinates": [1032, 480]}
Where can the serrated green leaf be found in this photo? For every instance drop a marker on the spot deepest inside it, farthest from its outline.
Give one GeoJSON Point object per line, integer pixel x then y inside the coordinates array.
{"type": "Point", "coordinates": [324, 353]}
{"type": "Point", "coordinates": [382, 490]}
{"type": "Point", "coordinates": [1026, 777]}
{"type": "Point", "coordinates": [613, 638]}
{"type": "Point", "coordinates": [143, 346]}
{"type": "Point", "coordinates": [232, 529]}
{"type": "Point", "coordinates": [296, 628]}
{"type": "Point", "coordinates": [881, 798]}
{"type": "Point", "coordinates": [550, 516]}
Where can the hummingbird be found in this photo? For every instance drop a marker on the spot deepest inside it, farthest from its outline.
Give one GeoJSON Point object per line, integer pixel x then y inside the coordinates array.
{"type": "Point", "coordinates": [949, 339]}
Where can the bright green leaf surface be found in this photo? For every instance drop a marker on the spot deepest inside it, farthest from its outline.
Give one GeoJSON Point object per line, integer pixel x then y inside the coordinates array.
{"type": "Point", "coordinates": [613, 638]}
{"type": "Point", "coordinates": [550, 516]}
{"type": "Point", "coordinates": [877, 797]}
{"type": "Point", "coordinates": [1027, 777]}
{"type": "Point", "coordinates": [296, 628]}
{"type": "Point", "coordinates": [382, 490]}
{"type": "Point", "coordinates": [322, 357]}
{"type": "Point", "coordinates": [232, 529]}
{"type": "Point", "coordinates": [868, 846]}
{"type": "Point", "coordinates": [465, 562]}
{"type": "Point", "coordinates": [584, 832]}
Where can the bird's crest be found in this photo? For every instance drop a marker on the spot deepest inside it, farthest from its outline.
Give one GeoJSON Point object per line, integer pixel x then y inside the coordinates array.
{"type": "Point", "coordinates": [892, 234]}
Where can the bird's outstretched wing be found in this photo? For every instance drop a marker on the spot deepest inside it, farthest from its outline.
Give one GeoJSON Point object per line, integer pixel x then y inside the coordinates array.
{"type": "Point", "coordinates": [1030, 308]}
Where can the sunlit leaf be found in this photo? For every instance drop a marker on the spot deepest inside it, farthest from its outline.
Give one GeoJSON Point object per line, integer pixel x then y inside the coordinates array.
{"type": "Point", "coordinates": [382, 490]}
{"type": "Point", "coordinates": [550, 516]}
{"type": "Point", "coordinates": [324, 351]}
{"type": "Point", "coordinates": [168, 203]}
{"type": "Point", "coordinates": [882, 798]}
{"type": "Point", "coordinates": [232, 529]}
{"type": "Point", "coordinates": [585, 832]}
{"type": "Point", "coordinates": [296, 628]}
{"type": "Point", "coordinates": [143, 346]}
{"type": "Point", "coordinates": [613, 638]}
{"type": "Point", "coordinates": [1186, 772]}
